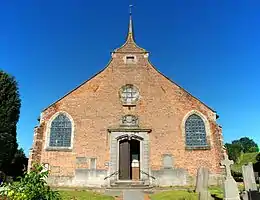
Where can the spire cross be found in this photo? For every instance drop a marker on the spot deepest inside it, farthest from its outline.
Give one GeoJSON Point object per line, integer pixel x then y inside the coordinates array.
{"type": "Point", "coordinates": [130, 9]}
{"type": "Point", "coordinates": [227, 163]}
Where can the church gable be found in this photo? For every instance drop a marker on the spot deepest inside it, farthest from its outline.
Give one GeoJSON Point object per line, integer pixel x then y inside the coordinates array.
{"type": "Point", "coordinates": [129, 65]}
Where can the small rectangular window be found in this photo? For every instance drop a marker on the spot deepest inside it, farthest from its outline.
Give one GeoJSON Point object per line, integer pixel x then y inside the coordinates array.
{"type": "Point", "coordinates": [130, 57]}
{"type": "Point", "coordinates": [130, 60]}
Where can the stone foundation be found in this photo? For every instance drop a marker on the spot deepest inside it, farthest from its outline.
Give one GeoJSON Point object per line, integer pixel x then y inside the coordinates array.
{"type": "Point", "coordinates": [83, 178]}
{"type": "Point", "coordinates": [170, 177]}
{"type": "Point", "coordinates": [163, 178]}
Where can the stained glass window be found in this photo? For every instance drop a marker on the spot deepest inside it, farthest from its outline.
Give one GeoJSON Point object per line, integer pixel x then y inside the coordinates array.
{"type": "Point", "coordinates": [60, 133]}
{"type": "Point", "coordinates": [129, 94]}
{"type": "Point", "coordinates": [195, 131]}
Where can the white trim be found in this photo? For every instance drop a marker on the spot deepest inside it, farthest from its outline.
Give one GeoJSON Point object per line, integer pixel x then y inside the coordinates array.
{"type": "Point", "coordinates": [48, 128]}
{"type": "Point", "coordinates": [206, 123]}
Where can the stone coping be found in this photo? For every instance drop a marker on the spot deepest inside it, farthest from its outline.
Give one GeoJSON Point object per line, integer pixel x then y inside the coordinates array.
{"type": "Point", "coordinates": [198, 148]}
{"type": "Point", "coordinates": [58, 149]}
{"type": "Point", "coordinates": [130, 129]}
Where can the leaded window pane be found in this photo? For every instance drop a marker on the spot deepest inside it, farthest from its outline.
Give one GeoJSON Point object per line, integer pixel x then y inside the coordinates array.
{"type": "Point", "coordinates": [195, 131]}
{"type": "Point", "coordinates": [60, 132]}
{"type": "Point", "coordinates": [129, 94]}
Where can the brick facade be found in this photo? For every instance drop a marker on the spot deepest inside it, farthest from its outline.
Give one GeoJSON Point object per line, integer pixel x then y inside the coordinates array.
{"type": "Point", "coordinates": [95, 107]}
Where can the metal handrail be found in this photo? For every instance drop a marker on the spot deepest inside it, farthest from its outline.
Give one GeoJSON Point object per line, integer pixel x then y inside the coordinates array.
{"type": "Point", "coordinates": [109, 176]}
{"type": "Point", "coordinates": [147, 174]}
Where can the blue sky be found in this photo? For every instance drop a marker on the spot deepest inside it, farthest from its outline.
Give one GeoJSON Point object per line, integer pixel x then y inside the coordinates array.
{"type": "Point", "coordinates": [211, 48]}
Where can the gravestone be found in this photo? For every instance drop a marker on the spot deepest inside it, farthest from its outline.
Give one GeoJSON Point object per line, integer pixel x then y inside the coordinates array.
{"type": "Point", "coordinates": [231, 191]}
{"type": "Point", "coordinates": [249, 177]}
{"type": "Point", "coordinates": [202, 184]}
{"type": "Point", "coordinates": [199, 180]}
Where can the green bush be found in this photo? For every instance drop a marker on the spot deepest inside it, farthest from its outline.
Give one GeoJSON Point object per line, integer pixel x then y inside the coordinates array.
{"type": "Point", "coordinates": [32, 186]}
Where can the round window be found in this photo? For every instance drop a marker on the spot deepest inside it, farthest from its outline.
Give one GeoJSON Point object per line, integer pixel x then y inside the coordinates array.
{"type": "Point", "coordinates": [129, 94]}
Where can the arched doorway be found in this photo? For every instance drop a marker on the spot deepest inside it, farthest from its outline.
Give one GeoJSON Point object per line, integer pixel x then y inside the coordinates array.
{"type": "Point", "coordinates": [129, 150]}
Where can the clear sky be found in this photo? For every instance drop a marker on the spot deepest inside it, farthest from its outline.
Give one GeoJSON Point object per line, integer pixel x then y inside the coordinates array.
{"type": "Point", "coordinates": [211, 48]}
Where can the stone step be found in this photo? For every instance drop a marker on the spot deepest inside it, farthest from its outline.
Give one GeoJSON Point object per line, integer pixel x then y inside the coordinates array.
{"type": "Point", "coordinates": [130, 186]}
{"type": "Point", "coordinates": [129, 183]}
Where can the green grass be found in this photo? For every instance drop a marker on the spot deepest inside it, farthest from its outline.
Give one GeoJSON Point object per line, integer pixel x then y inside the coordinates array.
{"type": "Point", "coordinates": [83, 195]}
{"type": "Point", "coordinates": [244, 159]}
{"type": "Point", "coordinates": [217, 191]}
{"type": "Point", "coordinates": [174, 195]}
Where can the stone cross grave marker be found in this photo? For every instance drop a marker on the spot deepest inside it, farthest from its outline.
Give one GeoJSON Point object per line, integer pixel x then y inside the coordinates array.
{"type": "Point", "coordinates": [202, 184]}
{"type": "Point", "coordinates": [249, 177]}
{"type": "Point", "coordinates": [230, 186]}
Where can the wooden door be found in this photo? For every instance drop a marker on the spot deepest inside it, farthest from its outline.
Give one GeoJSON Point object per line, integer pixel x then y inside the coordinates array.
{"type": "Point", "coordinates": [124, 160]}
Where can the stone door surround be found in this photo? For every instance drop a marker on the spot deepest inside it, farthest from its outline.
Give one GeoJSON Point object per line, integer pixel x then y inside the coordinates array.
{"type": "Point", "coordinates": [115, 136]}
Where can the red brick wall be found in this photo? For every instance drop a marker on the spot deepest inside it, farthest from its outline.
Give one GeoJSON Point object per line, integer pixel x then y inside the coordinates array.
{"type": "Point", "coordinates": [95, 106]}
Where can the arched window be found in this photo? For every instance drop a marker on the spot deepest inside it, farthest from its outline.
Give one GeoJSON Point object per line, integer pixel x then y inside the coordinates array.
{"type": "Point", "coordinates": [195, 131]}
{"type": "Point", "coordinates": [60, 131]}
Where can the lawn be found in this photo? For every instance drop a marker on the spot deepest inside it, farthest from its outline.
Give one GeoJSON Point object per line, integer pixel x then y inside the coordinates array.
{"type": "Point", "coordinates": [83, 195]}
{"type": "Point", "coordinates": [174, 195]}
{"type": "Point", "coordinates": [217, 191]}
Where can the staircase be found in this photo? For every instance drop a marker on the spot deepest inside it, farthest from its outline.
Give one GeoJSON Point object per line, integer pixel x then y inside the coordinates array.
{"type": "Point", "coordinates": [117, 188]}
{"type": "Point", "coordinates": [129, 184]}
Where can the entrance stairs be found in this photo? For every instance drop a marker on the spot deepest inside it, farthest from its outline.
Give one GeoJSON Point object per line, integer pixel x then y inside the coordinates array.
{"type": "Point", "coordinates": [120, 186]}
{"type": "Point", "coordinates": [130, 184]}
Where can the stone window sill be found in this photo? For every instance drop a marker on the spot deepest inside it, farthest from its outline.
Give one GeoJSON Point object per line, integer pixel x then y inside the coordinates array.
{"type": "Point", "coordinates": [198, 148]}
{"type": "Point", "coordinates": [129, 104]}
{"type": "Point", "coordinates": [63, 149]}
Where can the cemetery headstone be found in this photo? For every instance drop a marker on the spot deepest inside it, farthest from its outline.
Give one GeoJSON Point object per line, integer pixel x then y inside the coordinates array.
{"type": "Point", "coordinates": [231, 191]}
{"type": "Point", "coordinates": [249, 177]}
{"type": "Point", "coordinates": [202, 184]}
{"type": "Point", "coordinates": [199, 180]}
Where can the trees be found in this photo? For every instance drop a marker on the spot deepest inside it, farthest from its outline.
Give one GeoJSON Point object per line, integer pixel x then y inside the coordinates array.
{"type": "Point", "coordinates": [243, 145]}
{"type": "Point", "coordinates": [233, 151]}
{"type": "Point", "coordinates": [10, 104]}
{"type": "Point", "coordinates": [248, 145]}
{"type": "Point", "coordinates": [18, 165]}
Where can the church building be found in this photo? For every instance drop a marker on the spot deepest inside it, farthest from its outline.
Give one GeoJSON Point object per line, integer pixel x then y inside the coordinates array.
{"type": "Point", "coordinates": [128, 123]}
